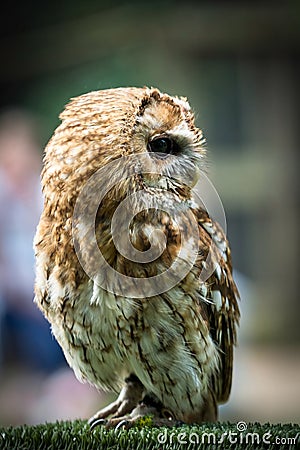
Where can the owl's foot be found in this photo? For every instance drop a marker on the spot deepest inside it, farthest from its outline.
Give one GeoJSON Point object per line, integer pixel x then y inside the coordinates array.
{"type": "Point", "coordinates": [149, 412]}
{"type": "Point", "coordinates": [130, 396]}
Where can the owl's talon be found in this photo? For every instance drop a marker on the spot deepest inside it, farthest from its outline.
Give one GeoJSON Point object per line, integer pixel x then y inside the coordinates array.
{"type": "Point", "coordinates": [124, 423]}
{"type": "Point", "coordinates": [129, 397]}
{"type": "Point", "coordinates": [96, 423]}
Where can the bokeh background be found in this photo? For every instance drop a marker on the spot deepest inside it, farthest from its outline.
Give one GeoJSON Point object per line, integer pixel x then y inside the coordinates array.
{"type": "Point", "coordinates": [238, 63]}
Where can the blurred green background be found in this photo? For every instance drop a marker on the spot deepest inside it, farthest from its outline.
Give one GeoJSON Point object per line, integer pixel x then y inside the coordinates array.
{"type": "Point", "coordinates": [238, 64]}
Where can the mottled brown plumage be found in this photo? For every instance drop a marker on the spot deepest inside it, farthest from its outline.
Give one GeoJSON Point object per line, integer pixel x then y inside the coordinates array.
{"type": "Point", "coordinates": [171, 353]}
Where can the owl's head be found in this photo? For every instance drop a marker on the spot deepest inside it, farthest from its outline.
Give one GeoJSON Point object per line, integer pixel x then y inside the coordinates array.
{"type": "Point", "coordinates": [104, 126]}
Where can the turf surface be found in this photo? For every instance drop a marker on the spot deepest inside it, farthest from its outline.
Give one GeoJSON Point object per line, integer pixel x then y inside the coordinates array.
{"type": "Point", "coordinates": [77, 436]}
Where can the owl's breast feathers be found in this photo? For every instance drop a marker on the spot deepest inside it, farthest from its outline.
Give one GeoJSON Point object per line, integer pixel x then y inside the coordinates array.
{"type": "Point", "coordinates": [215, 300]}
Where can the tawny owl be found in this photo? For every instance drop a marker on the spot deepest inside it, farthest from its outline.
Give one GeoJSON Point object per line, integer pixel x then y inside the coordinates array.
{"type": "Point", "coordinates": [158, 328]}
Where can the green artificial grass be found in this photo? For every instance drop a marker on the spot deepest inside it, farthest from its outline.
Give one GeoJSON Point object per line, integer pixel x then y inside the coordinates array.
{"type": "Point", "coordinates": [78, 436]}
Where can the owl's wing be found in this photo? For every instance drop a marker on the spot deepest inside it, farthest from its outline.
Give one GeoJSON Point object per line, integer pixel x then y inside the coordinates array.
{"type": "Point", "coordinates": [222, 300]}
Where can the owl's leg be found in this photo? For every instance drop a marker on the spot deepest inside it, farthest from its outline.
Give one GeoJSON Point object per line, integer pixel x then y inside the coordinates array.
{"type": "Point", "coordinates": [132, 408]}
{"type": "Point", "coordinates": [149, 412]}
{"type": "Point", "coordinates": [130, 395]}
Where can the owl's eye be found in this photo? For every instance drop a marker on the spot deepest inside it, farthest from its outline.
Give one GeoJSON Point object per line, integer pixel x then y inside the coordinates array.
{"type": "Point", "coordinates": [163, 146]}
